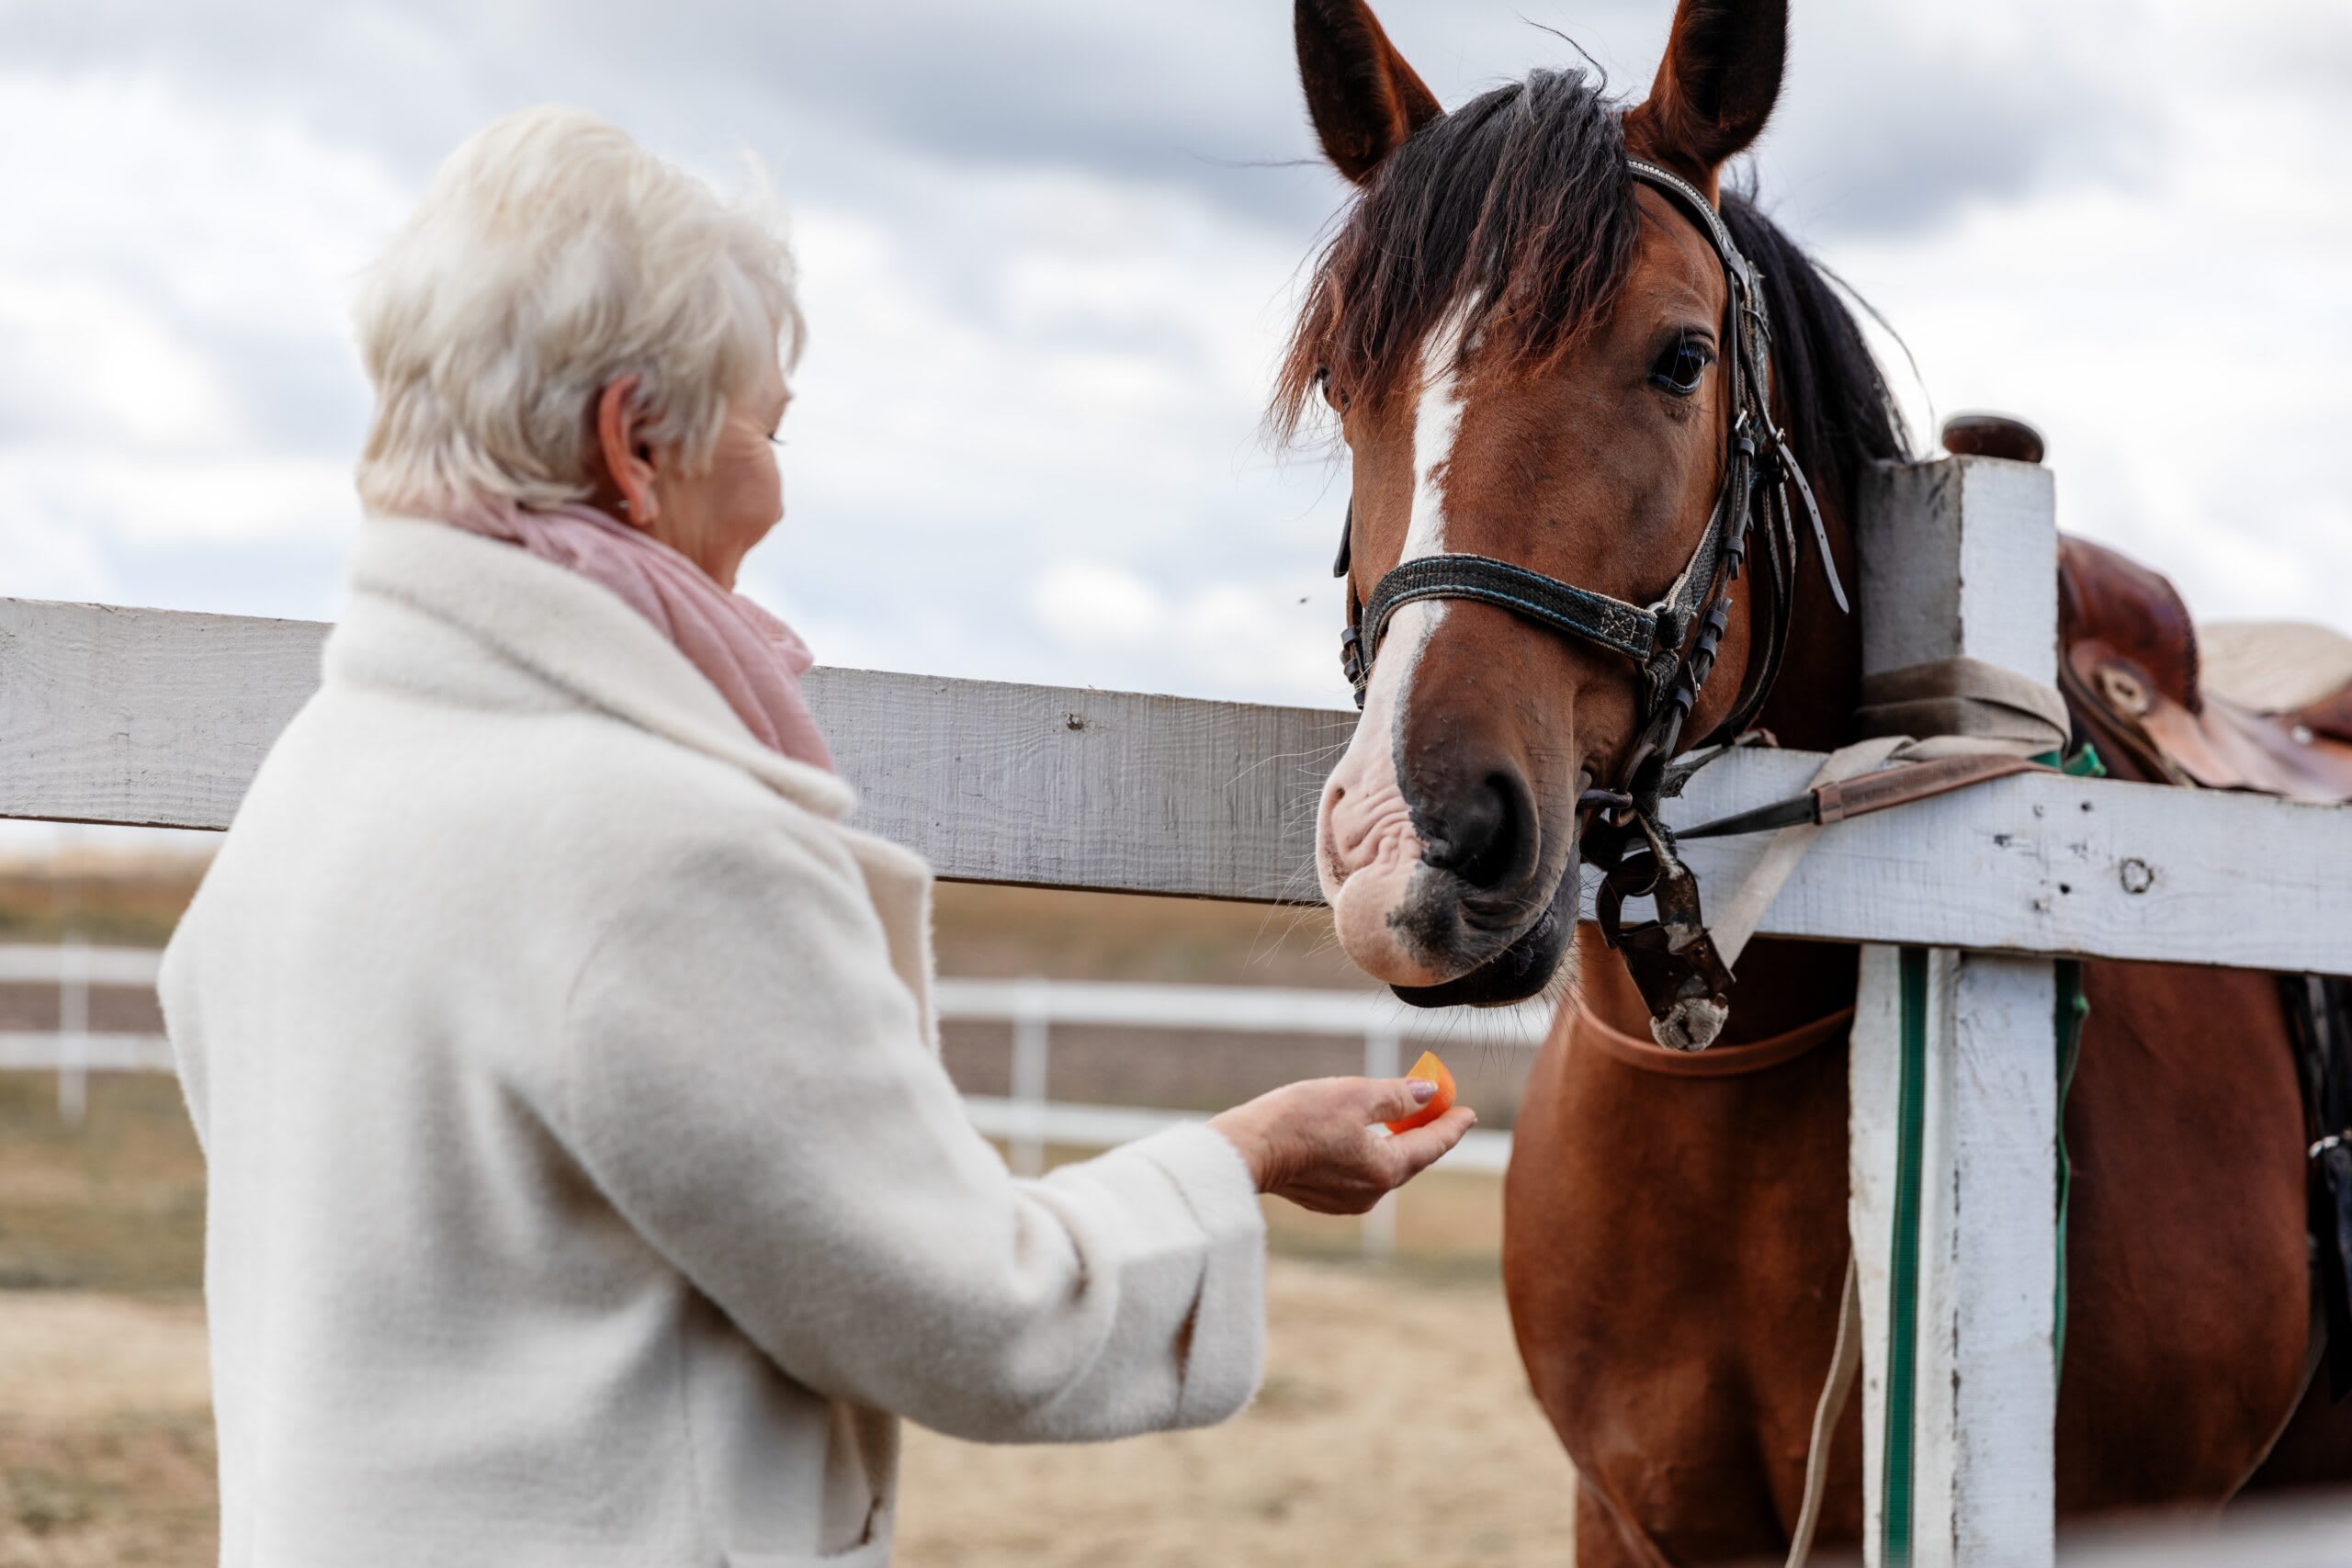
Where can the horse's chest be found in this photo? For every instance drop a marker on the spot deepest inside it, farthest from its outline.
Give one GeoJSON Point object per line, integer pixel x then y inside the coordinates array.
{"type": "Point", "coordinates": [1673, 1255]}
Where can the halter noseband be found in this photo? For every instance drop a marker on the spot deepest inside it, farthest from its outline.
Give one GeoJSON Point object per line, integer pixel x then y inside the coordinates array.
{"type": "Point", "coordinates": [1671, 644]}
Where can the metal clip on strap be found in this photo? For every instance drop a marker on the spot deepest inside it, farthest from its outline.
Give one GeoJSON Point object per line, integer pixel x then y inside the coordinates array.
{"type": "Point", "coordinates": [1671, 960]}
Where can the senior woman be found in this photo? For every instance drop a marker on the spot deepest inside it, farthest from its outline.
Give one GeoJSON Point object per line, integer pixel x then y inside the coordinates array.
{"type": "Point", "coordinates": [585, 1187]}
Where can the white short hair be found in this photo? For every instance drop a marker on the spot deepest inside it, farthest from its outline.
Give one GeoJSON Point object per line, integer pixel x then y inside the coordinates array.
{"type": "Point", "coordinates": [552, 256]}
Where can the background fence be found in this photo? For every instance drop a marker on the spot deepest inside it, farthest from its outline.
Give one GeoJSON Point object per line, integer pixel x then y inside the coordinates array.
{"type": "Point", "coordinates": [1027, 1120]}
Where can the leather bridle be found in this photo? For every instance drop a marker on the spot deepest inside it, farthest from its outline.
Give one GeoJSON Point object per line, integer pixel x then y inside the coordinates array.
{"type": "Point", "coordinates": [1671, 644]}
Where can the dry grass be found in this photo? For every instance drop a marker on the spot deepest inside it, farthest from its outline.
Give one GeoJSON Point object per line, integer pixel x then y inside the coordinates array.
{"type": "Point", "coordinates": [133, 1489]}
{"type": "Point", "coordinates": [116, 1205]}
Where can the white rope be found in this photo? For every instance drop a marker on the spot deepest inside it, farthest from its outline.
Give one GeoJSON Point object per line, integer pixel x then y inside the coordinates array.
{"type": "Point", "coordinates": [1761, 885]}
{"type": "Point", "coordinates": [1844, 1363]}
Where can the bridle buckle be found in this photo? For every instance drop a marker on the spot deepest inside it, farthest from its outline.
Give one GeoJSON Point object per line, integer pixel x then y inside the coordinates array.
{"type": "Point", "coordinates": [1351, 662]}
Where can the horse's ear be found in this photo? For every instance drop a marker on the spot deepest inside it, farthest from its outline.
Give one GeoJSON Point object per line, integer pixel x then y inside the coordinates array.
{"type": "Point", "coordinates": [1715, 88]}
{"type": "Point", "coordinates": [1364, 99]}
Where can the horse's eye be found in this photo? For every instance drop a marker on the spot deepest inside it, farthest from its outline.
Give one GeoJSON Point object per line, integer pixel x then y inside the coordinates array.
{"type": "Point", "coordinates": [1679, 368]}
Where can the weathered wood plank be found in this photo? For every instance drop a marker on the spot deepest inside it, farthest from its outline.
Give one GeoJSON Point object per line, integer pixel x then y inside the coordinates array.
{"type": "Point", "coordinates": [1961, 560]}
{"type": "Point", "coordinates": [149, 717]}
{"type": "Point", "coordinates": [1988, 1385]}
{"type": "Point", "coordinates": [1066, 788]}
{"type": "Point", "coordinates": [160, 719]}
{"type": "Point", "coordinates": [1959, 545]}
{"type": "Point", "coordinates": [1984, 1357]}
{"type": "Point", "coordinates": [2041, 863]}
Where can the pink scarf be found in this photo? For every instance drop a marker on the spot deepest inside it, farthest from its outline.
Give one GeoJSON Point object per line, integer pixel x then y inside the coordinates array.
{"type": "Point", "coordinates": [754, 659]}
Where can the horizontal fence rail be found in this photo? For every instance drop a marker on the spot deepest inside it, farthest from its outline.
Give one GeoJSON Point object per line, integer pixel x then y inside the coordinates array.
{"type": "Point", "coordinates": [160, 719]}
{"type": "Point", "coordinates": [24, 1051]}
{"type": "Point", "coordinates": [1028, 1120]}
{"type": "Point", "coordinates": [1247, 1009]}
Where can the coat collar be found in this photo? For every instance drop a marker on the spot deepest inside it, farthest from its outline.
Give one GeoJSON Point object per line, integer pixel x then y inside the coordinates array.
{"type": "Point", "coordinates": [569, 634]}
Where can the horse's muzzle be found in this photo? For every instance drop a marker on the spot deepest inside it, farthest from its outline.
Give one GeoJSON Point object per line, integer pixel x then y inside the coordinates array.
{"type": "Point", "coordinates": [1523, 969]}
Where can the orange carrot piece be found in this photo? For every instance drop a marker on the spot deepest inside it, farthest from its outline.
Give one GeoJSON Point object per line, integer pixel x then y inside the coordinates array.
{"type": "Point", "coordinates": [1429, 1067]}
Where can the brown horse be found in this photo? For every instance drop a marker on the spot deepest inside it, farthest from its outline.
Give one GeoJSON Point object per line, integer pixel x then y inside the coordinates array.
{"type": "Point", "coordinates": [1525, 349]}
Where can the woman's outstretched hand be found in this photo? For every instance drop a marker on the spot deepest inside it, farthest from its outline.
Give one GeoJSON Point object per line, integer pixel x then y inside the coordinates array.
{"type": "Point", "coordinates": [1321, 1143]}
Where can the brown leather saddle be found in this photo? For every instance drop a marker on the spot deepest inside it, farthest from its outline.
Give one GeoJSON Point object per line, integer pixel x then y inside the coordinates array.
{"type": "Point", "coordinates": [2266, 708]}
{"type": "Point", "coordinates": [2260, 707]}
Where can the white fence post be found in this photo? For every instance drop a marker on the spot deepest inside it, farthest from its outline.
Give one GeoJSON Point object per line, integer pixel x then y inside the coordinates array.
{"type": "Point", "coordinates": [1032, 1039]}
{"type": "Point", "coordinates": [73, 1028]}
{"type": "Point", "coordinates": [1383, 1058]}
{"type": "Point", "coordinates": [1959, 557]}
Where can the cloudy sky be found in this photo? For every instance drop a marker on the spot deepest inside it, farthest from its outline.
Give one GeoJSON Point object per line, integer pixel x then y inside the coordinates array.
{"type": "Point", "coordinates": [1050, 247]}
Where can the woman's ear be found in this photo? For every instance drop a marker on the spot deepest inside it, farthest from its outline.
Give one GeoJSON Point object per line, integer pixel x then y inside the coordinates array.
{"type": "Point", "coordinates": [1363, 98]}
{"type": "Point", "coordinates": [1716, 87]}
{"type": "Point", "coordinates": [629, 464]}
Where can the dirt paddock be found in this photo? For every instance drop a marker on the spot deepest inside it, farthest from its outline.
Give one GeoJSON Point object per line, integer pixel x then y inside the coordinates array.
{"type": "Point", "coordinates": [1393, 1428]}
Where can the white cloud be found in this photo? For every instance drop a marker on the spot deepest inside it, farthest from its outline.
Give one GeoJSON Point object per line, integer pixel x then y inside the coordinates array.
{"type": "Point", "coordinates": [83, 356]}
{"type": "Point", "coordinates": [2179, 338]}
{"type": "Point", "coordinates": [171, 322]}
{"type": "Point", "coordinates": [149, 499]}
{"type": "Point", "coordinates": [1260, 635]}
{"type": "Point", "coordinates": [1097, 605]}
{"type": "Point", "coordinates": [40, 559]}
{"type": "Point", "coordinates": [1045, 301]}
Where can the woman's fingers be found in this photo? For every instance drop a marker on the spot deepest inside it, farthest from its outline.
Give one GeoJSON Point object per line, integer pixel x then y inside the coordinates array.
{"type": "Point", "coordinates": [1393, 1100]}
{"type": "Point", "coordinates": [1320, 1143]}
{"type": "Point", "coordinates": [1371, 1164]}
{"type": "Point", "coordinates": [1421, 1147]}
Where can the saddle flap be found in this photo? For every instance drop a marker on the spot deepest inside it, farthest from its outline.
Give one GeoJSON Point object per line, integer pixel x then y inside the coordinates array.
{"type": "Point", "coordinates": [2130, 672]}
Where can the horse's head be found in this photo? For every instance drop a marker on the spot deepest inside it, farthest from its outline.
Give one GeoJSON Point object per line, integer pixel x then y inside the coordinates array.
{"type": "Point", "coordinates": [1526, 349]}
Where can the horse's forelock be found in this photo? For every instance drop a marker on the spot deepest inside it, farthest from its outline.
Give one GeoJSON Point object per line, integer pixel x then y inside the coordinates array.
{"type": "Point", "coordinates": [1518, 202]}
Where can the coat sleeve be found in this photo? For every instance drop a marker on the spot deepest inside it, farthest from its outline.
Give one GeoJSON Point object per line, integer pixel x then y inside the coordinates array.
{"type": "Point", "coordinates": [747, 1080]}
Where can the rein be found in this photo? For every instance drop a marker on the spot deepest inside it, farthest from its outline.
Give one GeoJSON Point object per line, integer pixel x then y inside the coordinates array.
{"type": "Point", "coordinates": [1671, 643]}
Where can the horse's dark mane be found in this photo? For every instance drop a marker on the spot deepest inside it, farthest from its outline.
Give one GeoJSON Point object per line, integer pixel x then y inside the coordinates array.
{"type": "Point", "coordinates": [1519, 202]}
{"type": "Point", "coordinates": [1832, 393]}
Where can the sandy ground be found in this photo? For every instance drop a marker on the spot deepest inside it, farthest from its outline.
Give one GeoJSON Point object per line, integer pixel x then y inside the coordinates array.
{"type": "Point", "coordinates": [1393, 1430]}
{"type": "Point", "coordinates": [105, 1432]}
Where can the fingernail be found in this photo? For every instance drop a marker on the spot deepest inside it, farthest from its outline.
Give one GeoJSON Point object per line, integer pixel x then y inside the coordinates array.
{"type": "Point", "coordinates": [1423, 1091]}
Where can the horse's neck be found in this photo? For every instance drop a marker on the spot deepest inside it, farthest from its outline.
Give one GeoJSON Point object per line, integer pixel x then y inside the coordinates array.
{"type": "Point", "coordinates": [1811, 705]}
{"type": "Point", "coordinates": [1783, 985]}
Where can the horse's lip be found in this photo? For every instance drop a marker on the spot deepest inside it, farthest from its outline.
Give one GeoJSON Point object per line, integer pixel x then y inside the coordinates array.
{"type": "Point", "coordinates": [1523, 968]}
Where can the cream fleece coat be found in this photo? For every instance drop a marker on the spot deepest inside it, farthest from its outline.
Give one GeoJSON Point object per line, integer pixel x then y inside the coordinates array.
{"type": "Point", "coordinates": [585, 1188]}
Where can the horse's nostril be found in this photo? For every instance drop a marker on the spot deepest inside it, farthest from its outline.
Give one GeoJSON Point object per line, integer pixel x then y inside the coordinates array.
{"type": "Point", "coordinates": [1484, 833]}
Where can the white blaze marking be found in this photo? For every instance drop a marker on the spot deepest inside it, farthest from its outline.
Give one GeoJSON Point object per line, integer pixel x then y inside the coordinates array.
{"type": "Point", "coordinates": [1363, 824]}
{"type": "Point", "coordinates": [1436, 424]}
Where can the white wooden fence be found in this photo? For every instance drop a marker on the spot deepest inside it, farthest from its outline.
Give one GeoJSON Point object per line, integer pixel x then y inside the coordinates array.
{"type": "Point", "coordinates": [145, 716]}
{"type": "Point", "coordinates": [1026, 1120]}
